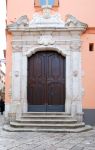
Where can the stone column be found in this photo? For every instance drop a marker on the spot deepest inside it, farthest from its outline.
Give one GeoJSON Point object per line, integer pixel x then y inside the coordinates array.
{"type": "Point", "coordinates": [15, 108]}
{"type": "Point", "coordinates": [76, 109]}
{"type": "Point", "coordinates": [68, 85]}
{"type": "Point", "coordinates": [24, 84]}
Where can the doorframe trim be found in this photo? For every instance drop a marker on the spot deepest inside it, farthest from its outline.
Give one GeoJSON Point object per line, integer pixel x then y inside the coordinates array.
{"type": "Point", "coordinates": [68, 89]}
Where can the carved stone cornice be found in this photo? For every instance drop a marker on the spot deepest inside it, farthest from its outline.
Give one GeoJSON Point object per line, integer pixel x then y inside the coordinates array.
{"type": "Point", "coordinates": [39, 22]}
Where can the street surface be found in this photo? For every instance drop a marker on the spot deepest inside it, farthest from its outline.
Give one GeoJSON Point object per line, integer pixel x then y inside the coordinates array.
{"type": "Point", "coordinates": [46, 141]}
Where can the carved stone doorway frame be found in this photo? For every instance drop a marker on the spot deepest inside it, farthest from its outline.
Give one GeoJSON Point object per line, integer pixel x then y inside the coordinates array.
{"type": "Point", "coordinates": [44, 35]}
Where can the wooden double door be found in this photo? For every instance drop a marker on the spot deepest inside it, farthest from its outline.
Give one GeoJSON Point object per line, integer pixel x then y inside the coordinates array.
{"type": "Point", "coordinates": [46, 82]}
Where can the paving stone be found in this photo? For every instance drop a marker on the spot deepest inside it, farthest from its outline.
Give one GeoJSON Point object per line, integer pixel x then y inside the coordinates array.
{"type": "Point", "coordinates": [77, 148]}
{"type": "Point", "coordinates": [46, 141]}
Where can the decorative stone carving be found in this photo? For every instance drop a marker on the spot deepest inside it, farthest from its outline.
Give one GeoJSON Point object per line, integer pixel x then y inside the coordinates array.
{"type": "Point", "coordinates": [51, 22]}
{"type": "Point", "coordinates": [16, 73]}
{"type": "Point", "coordinates": [41, 22]}
{"type": "Point", "coordinates": [46, 40]}
{"type": "Point", "coordinates": [73, 22]}
{"type": "Point", "coordinates": [40, 34]}
{"type": "Point", "coordinates": [76, 98]}
{"type": "Point", "coordinates": [23, 21]}
{"type": "Point", "coordinates": [75, 73]}
{"type": "Point", "coordinates": [46, 11]}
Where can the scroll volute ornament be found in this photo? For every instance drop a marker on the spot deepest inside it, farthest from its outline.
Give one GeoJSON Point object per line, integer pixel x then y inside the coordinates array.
{"type": "Point", "coordinates": [37, 3]}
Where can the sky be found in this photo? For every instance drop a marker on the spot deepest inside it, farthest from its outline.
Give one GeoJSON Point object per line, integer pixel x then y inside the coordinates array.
{"type": "Point", "coordinates": [2, 27]}
{"type": "Point", "coordinates": [2, 30]}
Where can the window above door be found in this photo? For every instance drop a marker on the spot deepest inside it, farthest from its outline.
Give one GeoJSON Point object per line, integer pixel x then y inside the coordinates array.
{"type": "Point", "coordinates": [39, 3]}
{"type": "Point", "coordinates": [50, 2]}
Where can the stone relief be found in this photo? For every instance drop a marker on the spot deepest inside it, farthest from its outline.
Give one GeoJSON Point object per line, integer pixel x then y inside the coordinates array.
{"type": "Point", "coordinates": [75, 73]}
{"type": "Point", "coordinates": [40, 21]}
{"type": "Point", "coordinates": [54, 21]}
{"type": "Point", "coordinates": [23, 21]}
{"type": "Point", "coordinates": [46, 40]}
{"type": "Point", "coordinates": [16, 73]}
{"type": "Point", "coordinates": [75, 45]}
{"type": "Point", "coordinates": [71, 21]}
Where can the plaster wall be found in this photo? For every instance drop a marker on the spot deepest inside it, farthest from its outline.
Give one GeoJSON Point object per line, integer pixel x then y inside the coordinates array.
{"type": "Point", "coordinates": [83, 10]}
{"type": "Point", "coordinates": [79, 9]}
{"type": "Point", "coordinates": [88, 67]}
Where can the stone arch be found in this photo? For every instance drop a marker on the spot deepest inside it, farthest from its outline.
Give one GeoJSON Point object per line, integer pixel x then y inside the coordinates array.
{"type": "Point", "coordinates": [32, 51]}
{"type": "Point", "coordinates": [61, 74]}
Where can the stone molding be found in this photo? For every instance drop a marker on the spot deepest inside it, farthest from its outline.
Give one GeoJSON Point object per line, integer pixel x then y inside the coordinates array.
{"type": "Point", "coordinates": [33, 50]}
{"type": "Point", "coordinates": [53, 22]}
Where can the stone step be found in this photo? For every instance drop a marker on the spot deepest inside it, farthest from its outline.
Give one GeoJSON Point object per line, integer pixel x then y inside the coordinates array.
{"type": "Point", "coordinates": [45, 113]}
{"type": "Point", "coordinates": [49, 121]}
{"type": "Point", "coordinates": [58, 117]}
{"type": "Point", "coordinates": [46, 122]}
{"type": "Point", "coordinates": [76, 130]}
{"type": "Point", "coordinates": [54, 126]}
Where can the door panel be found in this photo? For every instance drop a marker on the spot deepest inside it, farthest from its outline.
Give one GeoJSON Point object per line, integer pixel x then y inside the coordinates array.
{"type": "Point", "coordinates": [46, 82]}
{"type": "Point", "coordinates": [36, 80]}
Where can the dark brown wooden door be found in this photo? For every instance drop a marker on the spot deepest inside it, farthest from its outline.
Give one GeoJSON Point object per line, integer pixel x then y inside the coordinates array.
{"type": "Point", "coordinates": [46, 82]}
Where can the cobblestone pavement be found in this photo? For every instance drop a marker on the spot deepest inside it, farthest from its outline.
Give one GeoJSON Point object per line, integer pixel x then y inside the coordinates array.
{"type": "Point", "coordinates": [46, 141]}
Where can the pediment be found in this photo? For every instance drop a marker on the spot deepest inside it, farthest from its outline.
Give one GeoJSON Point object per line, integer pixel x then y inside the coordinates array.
{"type": "Point", "coordinates": [53, 22]}
{"type": "Point", "coordinates": [72, 22]}
{"type": "Point", "coordinates": [22, 22]}
{"type": "Point", "coordinates": [40, 21]}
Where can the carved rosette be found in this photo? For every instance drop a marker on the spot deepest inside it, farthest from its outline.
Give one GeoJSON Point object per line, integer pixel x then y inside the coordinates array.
{"type": "Point", "coordinates": [75, 73]}
{"type": "Point", "coordinates": [46, 40]}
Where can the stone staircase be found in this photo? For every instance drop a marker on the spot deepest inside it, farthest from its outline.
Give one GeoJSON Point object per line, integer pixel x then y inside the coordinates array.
{"type": "Point", "coordinates": [46, 122]}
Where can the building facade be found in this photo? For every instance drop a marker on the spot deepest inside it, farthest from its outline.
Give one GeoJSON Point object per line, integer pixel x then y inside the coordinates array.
{"type": "Point", "coordinates": [50, 58]}
{"type": "Point", "coordinates": [2, 83]}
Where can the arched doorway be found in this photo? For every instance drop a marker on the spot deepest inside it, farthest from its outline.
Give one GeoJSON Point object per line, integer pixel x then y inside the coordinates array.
{"type": "Point", "coordinates": [46, 82]}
